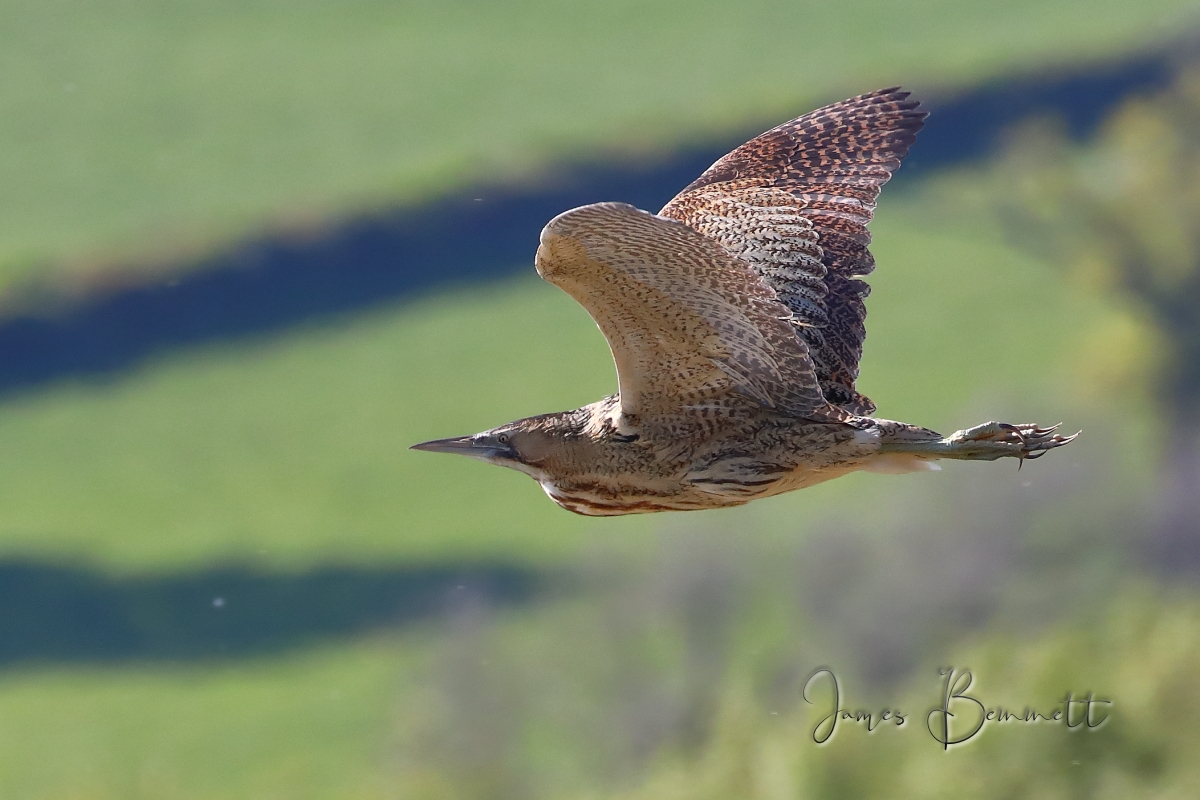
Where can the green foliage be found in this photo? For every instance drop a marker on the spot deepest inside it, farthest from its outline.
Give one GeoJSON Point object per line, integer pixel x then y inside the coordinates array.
{"type": "Point", "coordinates": [1137, 652]}
{"type": "Point", "coordinates": [1121, 211]}
{"type": "Point", "coordinates": [136, 130]}
{"type": "Point", "coordinates": [684, 676]}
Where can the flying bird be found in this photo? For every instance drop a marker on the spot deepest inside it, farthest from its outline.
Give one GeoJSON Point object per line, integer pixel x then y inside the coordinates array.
{"type": "Point", "coordinates": [735, 318]}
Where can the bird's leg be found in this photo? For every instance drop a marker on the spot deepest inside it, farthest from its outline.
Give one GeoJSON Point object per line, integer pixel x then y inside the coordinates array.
{"type": "Point", "coordinates": [985, 442]}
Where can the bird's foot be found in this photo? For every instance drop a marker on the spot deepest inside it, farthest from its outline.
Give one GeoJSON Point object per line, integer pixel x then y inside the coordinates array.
{"type": "Point", "coordinates": [993, 440]}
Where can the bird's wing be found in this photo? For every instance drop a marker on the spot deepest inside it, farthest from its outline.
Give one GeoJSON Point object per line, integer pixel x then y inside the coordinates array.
{"type": "Point", "coordinates": [795, 203]}
{"type": "Point", "coordinates": [689, 325]}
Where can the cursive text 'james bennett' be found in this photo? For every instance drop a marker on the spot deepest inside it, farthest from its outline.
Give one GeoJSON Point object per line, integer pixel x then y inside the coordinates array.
{"type": "Point", "coordinates": [958, 718]}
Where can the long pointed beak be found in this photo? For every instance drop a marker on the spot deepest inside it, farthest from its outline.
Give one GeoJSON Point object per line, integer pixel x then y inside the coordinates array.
{"type": "Point", "coordinates": [461, 445]}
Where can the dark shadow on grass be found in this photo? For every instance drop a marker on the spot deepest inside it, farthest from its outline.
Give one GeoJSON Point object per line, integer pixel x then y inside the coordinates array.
{"type": "Point", "coordinates": [277, 282]}
{"type": "Point", "coordinates": [54, 613]}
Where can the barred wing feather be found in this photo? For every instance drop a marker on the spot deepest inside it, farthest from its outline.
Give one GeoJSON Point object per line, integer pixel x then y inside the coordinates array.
{"type": "Point", "coordinates": [794, 203]}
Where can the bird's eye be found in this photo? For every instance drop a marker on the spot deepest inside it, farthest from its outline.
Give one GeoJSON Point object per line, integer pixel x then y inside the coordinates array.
{"type": "Point", "coordinates": [502, 438]}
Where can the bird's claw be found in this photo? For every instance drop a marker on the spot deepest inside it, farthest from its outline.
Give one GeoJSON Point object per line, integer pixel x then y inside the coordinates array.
{"type": "Point", "coordinates": [1026, 441]}
{"type": "Point", "coordinates": [1044, 440]}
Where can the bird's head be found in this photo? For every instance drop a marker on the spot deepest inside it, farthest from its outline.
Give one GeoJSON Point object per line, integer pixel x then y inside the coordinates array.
{"type": "Point", "coordinates": [525, 445]}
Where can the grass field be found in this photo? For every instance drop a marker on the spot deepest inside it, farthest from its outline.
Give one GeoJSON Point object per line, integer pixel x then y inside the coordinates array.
{"type": "Point", "coordinates": [134, 131]}
{"type": "Point", "coordinates": [315, 726]}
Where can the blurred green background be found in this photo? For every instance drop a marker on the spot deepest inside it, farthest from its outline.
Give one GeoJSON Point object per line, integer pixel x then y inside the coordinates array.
{"type": "Point", "coordinates": [222, 574]}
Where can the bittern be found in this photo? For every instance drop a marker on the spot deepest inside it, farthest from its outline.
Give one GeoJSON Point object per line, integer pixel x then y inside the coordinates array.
{"type": "Point", "coordinates": [735, 318]}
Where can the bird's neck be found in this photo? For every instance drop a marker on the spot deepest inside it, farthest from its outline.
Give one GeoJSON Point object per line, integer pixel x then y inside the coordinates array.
{"type": "Point", "coordinates": [580, 440]}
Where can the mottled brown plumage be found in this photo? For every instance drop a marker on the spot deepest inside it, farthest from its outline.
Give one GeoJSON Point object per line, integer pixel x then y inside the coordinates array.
{"type": "Point", "coordinates": [736, 320]}
{"type": "Point", "coordinates": [794, 203]}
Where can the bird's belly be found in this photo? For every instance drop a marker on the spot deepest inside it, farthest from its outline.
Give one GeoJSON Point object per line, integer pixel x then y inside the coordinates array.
{"type": "Point", "coordinates": [727, 475]}
{"type": "Point", "coordinates": [698, 492]}
{"type": "Point", "coordinates": [601, 499]}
